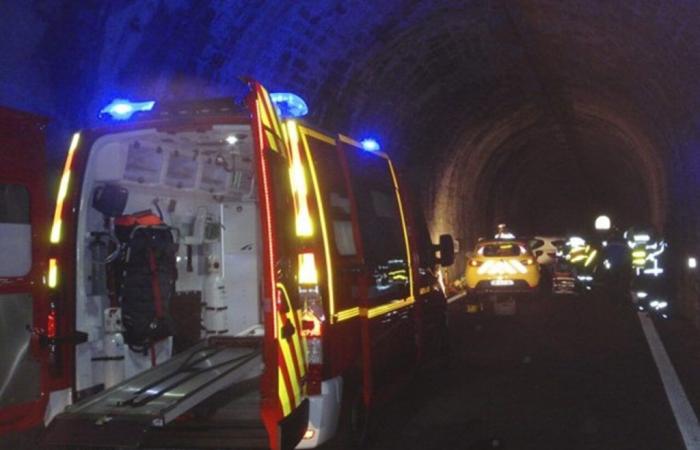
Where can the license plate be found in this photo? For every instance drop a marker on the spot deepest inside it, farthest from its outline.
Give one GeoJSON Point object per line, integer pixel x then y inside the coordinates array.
{"type": "Point", "coordinates": [501, 282]}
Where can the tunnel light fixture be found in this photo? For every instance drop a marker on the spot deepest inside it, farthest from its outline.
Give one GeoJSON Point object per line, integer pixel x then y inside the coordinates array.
{"type": "Point", "coordinates": [289, 104]}
{"type": "Point", "coordinates": [231, 139]}
{"type": "Point", "coordinates": [692, 262]}
{"type": "Point", "coordinates": [123, 109]}
{"type": "Point", "coordinates": [602, 223]}
{"type": "Point", "coordinates": [369, 144]}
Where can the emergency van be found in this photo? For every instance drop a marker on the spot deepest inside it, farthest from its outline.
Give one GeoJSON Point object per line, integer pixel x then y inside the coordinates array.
{"type": "Point", "coordinates": [373, 307]}
{"type": "Point", "coordinates": [171, 281]}
{"type": "Point", "coordinates": [24, 376]}
{"type": "Point", "coordinates": [260, 282]}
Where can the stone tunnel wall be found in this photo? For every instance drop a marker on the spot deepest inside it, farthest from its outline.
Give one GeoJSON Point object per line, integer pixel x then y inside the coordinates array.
{"type": "Point", "coordinates": [458, 92]}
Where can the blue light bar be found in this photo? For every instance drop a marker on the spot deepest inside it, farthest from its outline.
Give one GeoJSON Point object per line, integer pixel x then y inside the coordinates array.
{"type": "Point", "coordinates": [289, 105]}
{"type": "Point", "coordinates": [370, 145]}
{"type": "Point", "coordinates": [122, 109]}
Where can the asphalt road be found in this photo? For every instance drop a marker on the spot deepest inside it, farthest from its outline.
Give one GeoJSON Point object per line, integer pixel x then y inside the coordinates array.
{"type": "Point", "coordinates": [562, 373]}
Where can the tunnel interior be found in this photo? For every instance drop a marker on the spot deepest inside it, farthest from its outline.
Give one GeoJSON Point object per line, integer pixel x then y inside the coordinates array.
{"type": "Point", "coordinates": [538, 113]}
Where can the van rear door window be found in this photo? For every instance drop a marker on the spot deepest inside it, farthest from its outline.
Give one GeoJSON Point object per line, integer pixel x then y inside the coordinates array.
{"type": "Point", "coordinates": [15, 231]}
{"type": "Point", "coordinates": [337, 199]}
{"type": "Point", "coordinates": [381, 229]}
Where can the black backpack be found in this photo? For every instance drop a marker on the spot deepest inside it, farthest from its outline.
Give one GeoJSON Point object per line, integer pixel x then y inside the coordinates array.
{"type": "Point", "coordinates": [146, 274]}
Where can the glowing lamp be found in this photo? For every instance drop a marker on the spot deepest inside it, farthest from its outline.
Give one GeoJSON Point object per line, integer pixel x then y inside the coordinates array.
{"type": "Point", "coordinates": [370, 145]}
{"type": "Point", "coordinates": [122, 109]}
{"type": "Point", "coordinates": [289, 105]}
{"type": "Point", "coordinates": [692, 262]}
{"type": "Point", "coordinates": [602, 223]}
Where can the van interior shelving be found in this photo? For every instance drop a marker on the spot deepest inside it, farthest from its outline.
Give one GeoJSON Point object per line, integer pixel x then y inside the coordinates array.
{"type": "Point", "coordinates": [202, 184]}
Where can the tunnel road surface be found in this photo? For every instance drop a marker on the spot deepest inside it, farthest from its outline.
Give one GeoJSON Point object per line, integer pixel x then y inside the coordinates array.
{"type": "Point", "coordinates": [562, 373]}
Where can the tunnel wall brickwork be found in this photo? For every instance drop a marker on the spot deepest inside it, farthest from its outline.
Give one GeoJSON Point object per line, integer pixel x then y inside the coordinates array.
{"type": "Point", "coordinates": [473, 99]}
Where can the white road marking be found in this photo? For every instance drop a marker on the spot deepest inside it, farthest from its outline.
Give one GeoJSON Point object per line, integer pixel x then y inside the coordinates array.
{"type": "Point", "coordinates": [685, 416]}
{"type": "Point", "coordinates": [456, 297]}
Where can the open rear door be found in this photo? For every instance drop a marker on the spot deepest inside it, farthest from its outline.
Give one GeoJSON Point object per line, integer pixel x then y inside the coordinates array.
{"type": "Point", "coordinates": [24, 378]}
{"type": "Point", "coordinates": [284, 406]}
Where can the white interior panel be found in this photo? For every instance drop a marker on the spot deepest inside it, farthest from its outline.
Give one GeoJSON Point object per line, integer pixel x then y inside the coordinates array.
{"type": "Point", "coordinates": [204, 188]}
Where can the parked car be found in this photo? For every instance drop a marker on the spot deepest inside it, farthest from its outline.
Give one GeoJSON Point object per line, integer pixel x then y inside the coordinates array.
{"type": "Point", "coordinates": [502, 266]}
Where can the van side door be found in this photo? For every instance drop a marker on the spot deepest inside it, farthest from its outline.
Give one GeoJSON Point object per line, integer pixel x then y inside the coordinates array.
{"type": "Point", "coordinates": [387, 297]}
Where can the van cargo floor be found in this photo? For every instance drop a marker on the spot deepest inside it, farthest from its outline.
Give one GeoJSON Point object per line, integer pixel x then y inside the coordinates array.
{"type": "Point", "coordinates": [121, 415]}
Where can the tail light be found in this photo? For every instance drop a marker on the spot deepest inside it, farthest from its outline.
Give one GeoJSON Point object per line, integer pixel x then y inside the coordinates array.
{"type": "Point", "coordinates": [474, 263]}
{"type": "Point", "coordinates": [312, 319]}
{"type": "Point", "coordinates": [51, 323]}
{"type": "Point", "coordinates": [528, 262]}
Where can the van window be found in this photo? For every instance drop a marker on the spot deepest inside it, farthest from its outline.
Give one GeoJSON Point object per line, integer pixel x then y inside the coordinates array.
{"type": "Point", "coordinates": [15, 231]}
{"type": "Point", "coordinates": [381, 230]}
{"type": "Point", "coordinates": [329, 170]}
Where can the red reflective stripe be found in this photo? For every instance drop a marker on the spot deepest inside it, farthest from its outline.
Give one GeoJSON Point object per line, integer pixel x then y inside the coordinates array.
{"type": "Point", "coordinates": [268, 223]}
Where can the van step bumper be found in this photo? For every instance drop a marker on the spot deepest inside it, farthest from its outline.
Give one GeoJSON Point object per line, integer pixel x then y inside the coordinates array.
{"type": "Point", "coordinates": [122, 415]}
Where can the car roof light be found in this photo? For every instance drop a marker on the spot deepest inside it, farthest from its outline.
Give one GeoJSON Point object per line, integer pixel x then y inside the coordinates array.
{"type": "Point", "coordinates": [289, 104]}
{"type": "Point", "coordinates": [122, 109]}
{"type": "Point", "coordinates": [369, 144]}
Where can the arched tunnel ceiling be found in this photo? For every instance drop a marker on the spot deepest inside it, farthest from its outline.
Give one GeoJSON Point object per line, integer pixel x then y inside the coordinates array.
{"type": "Point", "coordinates": [474, 98]}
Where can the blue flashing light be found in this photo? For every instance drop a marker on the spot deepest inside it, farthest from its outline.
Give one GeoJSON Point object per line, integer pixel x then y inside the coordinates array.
{"type": "Point", "coordinates": [122, 109]}
{"type": "Point", "coordinates": [371, 145]}
{"type": "Point", "coordinates": [289, 105]}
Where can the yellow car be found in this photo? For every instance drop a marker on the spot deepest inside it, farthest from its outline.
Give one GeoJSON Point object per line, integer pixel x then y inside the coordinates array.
{"type": "Point", "coordinates": [502, 266]}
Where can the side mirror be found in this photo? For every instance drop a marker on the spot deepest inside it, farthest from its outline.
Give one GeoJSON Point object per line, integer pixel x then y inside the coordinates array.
{"type": "Point", "coordinates": [447, 250]}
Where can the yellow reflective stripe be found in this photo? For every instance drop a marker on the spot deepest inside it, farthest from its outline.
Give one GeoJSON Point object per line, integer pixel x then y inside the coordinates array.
{"type": "Point", "coordinates": [403, 225]}
{"type": "Point", "coordinates": [303, 132]}
{"type": "Point", "coordinates": [283, 394]}
{"type": "Point", "coordinates": [275, 123]}
{"type": "Point", "coordinates": [294, 377]}
{"type": "Point", "coordinates": [304, 347]}
{"type": "Point", "coordinates": [291, 370]}
{"type": "Point", "coordinates": [353, 142]}
{"type": "Point", "coordinates": [267, 125]}
{"type": "Point", "coordinates": [388, 307]}
{"type": "Point", "coordinates": [55, 236]}
{"type": "Point", "coordinates": [347, 314]}
{"type": "Point", "coordinates": [321, 137]}
{"type": "Point", "coordinates": [296, 341]}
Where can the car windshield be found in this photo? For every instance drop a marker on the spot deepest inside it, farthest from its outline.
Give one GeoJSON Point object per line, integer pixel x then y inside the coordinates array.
{"type": "Point", "coordinates": [500, 250]}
